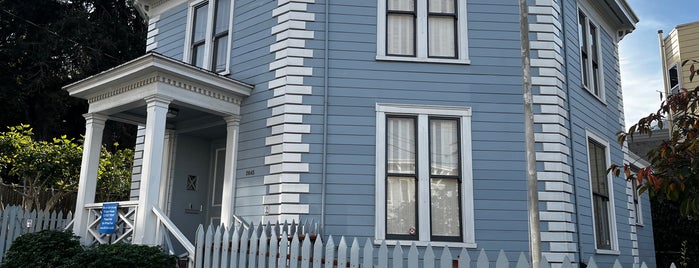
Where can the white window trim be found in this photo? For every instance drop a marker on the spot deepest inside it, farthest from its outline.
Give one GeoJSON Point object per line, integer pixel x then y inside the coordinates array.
{"type": "Point", "coordinates": [209, 47]}
{"type": "Point", "coordinates": [421, 35]}
{"type": "Point", "coordinates": [638, 209]}
{"type": "Point", "coordinates": [593, 18]}
{"type": "Point", "coordinates": [467, 217]}
{"type": "Point", "coordinates": [611, 209]}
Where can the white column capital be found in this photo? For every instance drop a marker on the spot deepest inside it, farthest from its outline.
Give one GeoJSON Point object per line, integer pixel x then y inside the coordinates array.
{"type": "Point", "coordinates": [95, 118]}
{"type": "Point", "coordinates": [232, 120]}
{"type": "Point", "coordinates": [157, 100]}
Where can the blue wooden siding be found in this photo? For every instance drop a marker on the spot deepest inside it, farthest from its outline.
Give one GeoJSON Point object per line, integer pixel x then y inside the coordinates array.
{"type": "Point", "coordinates": [587, 113]}
{"type": "Point", "coordinates": [646, 249]}
{"type": "Point", "coordinates": [490, 85]}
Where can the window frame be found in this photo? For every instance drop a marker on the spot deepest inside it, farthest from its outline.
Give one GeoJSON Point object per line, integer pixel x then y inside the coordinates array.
{"type": "Point", "coordinates": [678, 76]}
{"type": "Point", "coordinates": [587, 63]}
{"type": "Point", "coordinates": [611, 213]}
{"type": "Point", "coordinates": [422, 34]}
{"type": "Point", "coordinates": [423, 114]}
{"type": "Point", "coordinates": [636, 199]}
{"type": "Point", "coordinates": [210, 37]}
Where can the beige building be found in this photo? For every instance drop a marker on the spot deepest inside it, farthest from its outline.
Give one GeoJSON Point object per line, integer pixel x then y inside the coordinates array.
{"type": "Point", "coordinates": [681, 44]}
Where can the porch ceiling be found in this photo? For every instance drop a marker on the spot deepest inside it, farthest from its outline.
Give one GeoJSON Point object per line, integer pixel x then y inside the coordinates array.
{"type": "Point", "coordinates": [124, 88]}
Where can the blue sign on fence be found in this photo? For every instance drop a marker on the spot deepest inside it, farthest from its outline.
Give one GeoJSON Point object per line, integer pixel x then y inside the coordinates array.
{"type": "Point", "coordinates": [109, 218]}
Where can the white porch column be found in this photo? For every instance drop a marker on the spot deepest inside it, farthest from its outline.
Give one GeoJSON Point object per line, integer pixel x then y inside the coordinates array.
{"type": "Point", "coordinates": [228, 196]}
{"type": "Point", "coordinates": [94, 127]}
{"type": "Point", "coordinates": [153, 145]}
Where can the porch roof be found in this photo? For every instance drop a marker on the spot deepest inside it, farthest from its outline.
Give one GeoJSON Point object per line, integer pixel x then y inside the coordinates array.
{"type": "Point", "coordinates": [124, 87]}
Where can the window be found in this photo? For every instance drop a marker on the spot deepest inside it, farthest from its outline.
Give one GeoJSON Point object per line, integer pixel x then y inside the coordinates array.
{"type": "Point", "coordinates": [601, 193]}
{"type": "Point", "coordinates": [422, 30]}
{"type": "Point", "coordinates": [638, 213]}
{"type": "Point", "coordinates": [588, 40]}
{"type": "Point", "coordinates": [424, 153]}
{"type": "Point", "coordinates": [208, 39]}
{"type": "Point", "coordinates": [674, 79]}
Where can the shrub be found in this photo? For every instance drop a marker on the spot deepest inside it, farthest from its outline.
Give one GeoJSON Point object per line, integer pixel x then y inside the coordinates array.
{"type": "Point", "coordinates": [123, 255]}
{"type": "Point", "coordinates": [42, 249]}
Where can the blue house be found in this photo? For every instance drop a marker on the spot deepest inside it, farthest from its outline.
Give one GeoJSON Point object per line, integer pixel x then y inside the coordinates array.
{"type": "Point", "coordinates": [389, 120]}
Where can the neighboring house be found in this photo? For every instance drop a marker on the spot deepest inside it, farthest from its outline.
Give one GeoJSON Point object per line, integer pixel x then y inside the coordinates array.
{"type": "Point", "coordinates": [680, 45]}
{"type": "Point", "coordinates": [397, 120]}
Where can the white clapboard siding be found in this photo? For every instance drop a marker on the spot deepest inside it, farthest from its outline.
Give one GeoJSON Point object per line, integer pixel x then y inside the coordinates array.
{"type": "Point", "coordinates": [261, 246]}
{"type": "Point", "coordinates": [14, 221]}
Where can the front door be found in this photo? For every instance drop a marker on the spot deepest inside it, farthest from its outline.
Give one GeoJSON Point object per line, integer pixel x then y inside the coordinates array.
{"type": "Point", "coordinates": [215, 192]}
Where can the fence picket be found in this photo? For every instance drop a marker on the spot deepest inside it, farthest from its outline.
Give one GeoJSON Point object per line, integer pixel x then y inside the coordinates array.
{"type": "Point", "coordinates": [643, 265]}
{"type": "Point", "coordinates": [617, 264]}
{"type": "Point", "coordinates": [544, 263]}
{"type": "Point", "coordinates": [397, 256]}
{"type": "Point", "coordinates": [225, 247]}
{"type": "Point", "coordinates": [329, 252]}
{"type": "Point", "coordinates": [383, 254]}
{"type": "Point", "coordinates": [368, 256]}
{"type": "Point", "coordinates": [342, 253]}
{"type": "Point", "coordinates": [208, 240]}
{"type": "Point", "coordinates": [200, 246]}
{"type": "Point", "coordinates": [412, 256]}
{"type": "Point", "coordinates": [216, 247]}
{"type": "Point", "coordinates": [445, 259]}
{"type": "Point", "coordinates": [3, 221]}
{"type": "Point", "coordinates": [428, 259]}
{"type": "Point", "coordinates": [482, 261]}
{"type": "Point", "coordinates": [522, 261]}
{"type": "Point", "coordinates": [567, 263]}
{"type": "Point", "coordinates": [294, 251]}
{"type": "Point", "coordinates": [591, 263]}
{"type": "Point", "coordinates": [273, 247]}
{"type": "Point", "coordinates": [318, 252]}
{"type": "Point", "coordinates": [252, 251]}
{"type": "Point", "coordinates": [235, 247]}
{"type": "Point", "coordinates": [244, 246]}
{"type": "Point", "coordinates": [283, 246]}
{"type": "Point", "coordinates": [464, 259]}
{"type": "Point", "coordinates": [55, 222]}
{"type": "Point", "coordinates": [502, 261]}
{"type": "Point", "coordinates": [354, 254]}
{"type": "Point", "coordinates": [306, 252]}
{"type": "Point", "coordinates": [17, 224]}
{"type": "Point", "coordinates": [262, 249]}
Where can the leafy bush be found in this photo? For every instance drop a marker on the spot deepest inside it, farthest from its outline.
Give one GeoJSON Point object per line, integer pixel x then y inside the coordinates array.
{"type": "Point", "coordinates": [123, 255]}
{"type": "Point", "coordinates": [42, 249]}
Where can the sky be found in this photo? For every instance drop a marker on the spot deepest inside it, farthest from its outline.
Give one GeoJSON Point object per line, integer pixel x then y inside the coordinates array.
{"type": "Point", "coordinates": [641, 70]}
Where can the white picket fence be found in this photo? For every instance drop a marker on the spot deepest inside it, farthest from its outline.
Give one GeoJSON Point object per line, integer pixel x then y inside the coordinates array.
{"type": "Point", "coordinates": [14, 221]}
{"type": "Point", "coordinates": [300, 246]}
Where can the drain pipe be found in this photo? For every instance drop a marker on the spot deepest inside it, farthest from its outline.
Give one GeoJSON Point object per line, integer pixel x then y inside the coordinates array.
{"type": "Point", "coordinates": [666, 82]}
{"type": "Point", "coordinates": [324, 171]}
{"type": "Point", "coordinates": [532, 181]}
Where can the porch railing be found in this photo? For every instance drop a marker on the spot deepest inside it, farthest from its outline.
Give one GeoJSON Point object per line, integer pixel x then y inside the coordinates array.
{"type": "Point", "coordinates": [126, 219]}
{"type": "Point", "coordinates": [164, 226]}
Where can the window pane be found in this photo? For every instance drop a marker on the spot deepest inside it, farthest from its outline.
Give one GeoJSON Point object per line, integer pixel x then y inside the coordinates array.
{"type": "Point", "coordinates": [602, 231]}
{"type": "Point", "coordinates": [200, 14]}
{"type": "Point", "coordinates": [401, 5]}
{"type": "Point", "coordinates": [598, 169]}
{"type": "Point", "coordinates": [442, 35]}
{"type": "Point", "coordinates": [198, 55]}
{"type": "Point", "coordinates": [444, 205]}
{"type": "Point", "coordinates": [593, 42]}
{"type": "Point", "coordinates": [401, 206]}
{"type": "Point", "coordinates": [400, 145]}
{"type": "Point", "coordinates": [220, 50]}
{"type": "Point", "coordinates": [401, 34]}
{"type": "Point", "coordinates": [442, 6]}
{"type": "Point", "coordinates": [223, 11]}
{"type": "Point", "coordinates": [444, 147]}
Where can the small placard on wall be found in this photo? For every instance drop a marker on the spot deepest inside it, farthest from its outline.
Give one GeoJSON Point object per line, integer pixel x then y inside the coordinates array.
{"type": "Point", "coordinates": [191, 183]}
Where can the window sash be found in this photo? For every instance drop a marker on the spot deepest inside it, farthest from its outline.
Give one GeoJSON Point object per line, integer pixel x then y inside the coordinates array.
{"type": "Point", "coordinates": [422, 28]}
{"type": "Point", "coordinates": [588, 35]}
{"type": "Point", "coordinates": [600, 188]}
{"type": "Point", "coordinates": [402, 158]}
{"type": "Point", "coordinates": [210, 38]}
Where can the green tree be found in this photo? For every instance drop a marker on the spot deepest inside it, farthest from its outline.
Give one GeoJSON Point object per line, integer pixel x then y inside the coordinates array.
{"type": "Point", "coordinates": [674, 171]}
{"type": "Point", "coordinates": [46, 44]}
{"type": "Point", "coordinates": [31, 166]}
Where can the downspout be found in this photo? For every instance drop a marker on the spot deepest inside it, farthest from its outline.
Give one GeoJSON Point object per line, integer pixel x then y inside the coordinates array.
{"type": "Point", "coordinates": [324, 164]}
{"type": "Point", "coordinates": [532, 181]}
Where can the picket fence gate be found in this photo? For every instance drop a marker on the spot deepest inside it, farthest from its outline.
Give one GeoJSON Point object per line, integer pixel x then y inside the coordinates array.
{"type": "Point", "coordinates": [300, 246]}
{"type": "Point", "coordinates": [15, 221]}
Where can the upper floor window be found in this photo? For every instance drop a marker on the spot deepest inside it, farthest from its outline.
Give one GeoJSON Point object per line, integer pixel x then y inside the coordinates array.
{"type": "Point", "coordinates": [674, 79]}
{"type": "Point", "coordinates": [424, 182]}
{"type": "Point", "coordinates": [591, 65]}
{"type": "Point", "coordinates": [208, 38]}
{"type": "Point", "coordinates": [602, 195]}
{"type": "Point", "coordinates": [422, 30]}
